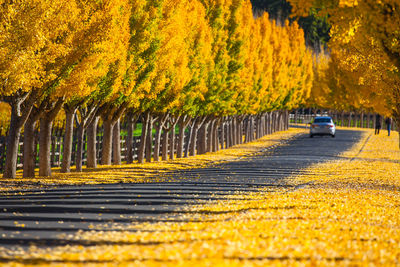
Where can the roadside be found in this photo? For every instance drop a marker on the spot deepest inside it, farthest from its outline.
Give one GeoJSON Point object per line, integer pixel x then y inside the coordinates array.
{"type": "Point", "coordinates": [147, 172]}
{"type": "Point", "coordinates": [347, 215]}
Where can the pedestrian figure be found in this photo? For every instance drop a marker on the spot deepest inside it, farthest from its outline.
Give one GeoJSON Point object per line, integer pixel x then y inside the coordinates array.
{"type": "Point", "coordinates": [388, 122]}
{"type": "Point", "coordinates": [377, 123]}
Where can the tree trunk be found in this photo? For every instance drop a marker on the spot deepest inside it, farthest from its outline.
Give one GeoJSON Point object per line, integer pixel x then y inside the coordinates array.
{"type": "Point", "coordinates": [110, 115]}
{"type": "Point", "coordinates": [46, 123]}
{"type": "Point", "coordinates": [67, 143]}
{"type": "Point", "coordinates": [161, 121]}
{"type": "Point", "coordinates": [173, 122]}
{"type": "Point", "coordinates": [280, 121]}
{"type": "Point", "coordinates": [44, 146]}
{"type": "Point", "coordinates": [277, 121]}
{"type": "Point", "coordinates": [30, 144]}
{"type": "Point", "coordinates": [19, 115]}
{"type": "Point", "coordinates": [258, 126]}
{"type": "Point", "coordinates": [164, 153]}
{"type": "Point", "coordinates": [203, 139]}
{"type": "Point", "coordinates": [222, 134]}
{"type": "Point", "coordinates": [157, 141]}
{"type": "Point", "coordinates": [215, 136]}
{"type": "Point", "coordinates": [270, 122]}
{"type": "Point", "coordinates": [246, 129]}
{"type": "Point", "coordinates": [29, 148]}
{"type": "Point", "coordinates": [107, 142]}
{"type": "Point", "coordinates": [286, 120]}
{"type": "Point", "coordinates": [272, 119]}
{"type": "Point", "coordinates": [263, 124]}
{"type": "Point", "coordinates": [193, 138]}
{"type": "Point", "coordinates": [228, 133]}
{"type": "Point", "coordinates": [183, 123]}
{"type": "Point", "coordinates": [143, 137]}
{"type": "Point", "coordinates": [129, 140]}
{"type": "Point", "coordinates": [79, 148]}
{"type": "Point", "coordinates": [251, 126]}
{"type": "Point", "coordinates": [149, 141]}
{"type": "Point", "coordinates": [91, 161]}
{"type": "Point", "coordinates": [362, 120]}
{"type": "Point", "coordinates": [189, 146]}
{"type": "Point", "coordinates": [239, 129]}
{"type": "Point", "coordinates": [230, 129]}
{"type": "Point", "coordinates": [210, 137]}
{"type": "Point", "coordinates": [172, 142]}
{"type": "Point", "coordinates": [181, 139]}
{"type": "Point", "coordinates": [116, 143]}
{"type": "Point", "coordinates": [12, 144]}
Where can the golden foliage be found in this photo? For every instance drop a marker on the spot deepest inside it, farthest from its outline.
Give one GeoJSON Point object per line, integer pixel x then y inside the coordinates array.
{"type": "Point", "coordinates": [5, 114]}
{"type": "Point", "coordinates": [197, 57]}
{"type": "Point", "coordinates": [365, 49]}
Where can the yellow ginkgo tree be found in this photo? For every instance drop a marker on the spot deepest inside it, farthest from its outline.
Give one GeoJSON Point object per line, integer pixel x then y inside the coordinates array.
{"type": "Point", "coordinates": [205, 65]}
{"type": "Point", "coordinates": [365, 48]}
{"type": "Point", "coordinates": [33, 37]}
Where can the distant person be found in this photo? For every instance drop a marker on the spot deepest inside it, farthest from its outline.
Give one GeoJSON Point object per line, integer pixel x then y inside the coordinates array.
{"type": "Point", "coordinates": [388, 122]}
{"type": "Point", "coordinates": [377, 123]}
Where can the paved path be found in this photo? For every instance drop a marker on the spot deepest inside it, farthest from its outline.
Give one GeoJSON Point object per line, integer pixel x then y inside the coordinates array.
{"type": "Point", "coordinates": [40, 216]}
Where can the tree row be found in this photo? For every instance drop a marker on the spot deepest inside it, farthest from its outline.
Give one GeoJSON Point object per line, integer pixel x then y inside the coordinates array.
{"type": "Point", "coordinates": [168, 62]}
{"type": "Point", "coordinates": [362, 70]}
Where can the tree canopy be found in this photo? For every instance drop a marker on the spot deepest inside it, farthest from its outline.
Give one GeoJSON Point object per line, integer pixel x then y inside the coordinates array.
{"type": "Point", "coordinates": [193, 58]}
{"type": "Point", "coordinates": [365, 52]}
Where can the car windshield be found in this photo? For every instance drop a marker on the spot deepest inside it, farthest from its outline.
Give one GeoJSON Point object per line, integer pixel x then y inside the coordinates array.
{"type": "Point", "coordinates": [322, 120]}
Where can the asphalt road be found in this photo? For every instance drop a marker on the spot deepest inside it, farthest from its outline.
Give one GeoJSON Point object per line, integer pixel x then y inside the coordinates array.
{"type": "Point", "coordinates": [39, 216]}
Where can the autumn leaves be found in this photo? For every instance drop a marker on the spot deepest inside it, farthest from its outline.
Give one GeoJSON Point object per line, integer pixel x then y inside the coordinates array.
{"type": "Point", "coordinates": [364, 52]}
{"type": "Point", "coordinates": [111, 59]}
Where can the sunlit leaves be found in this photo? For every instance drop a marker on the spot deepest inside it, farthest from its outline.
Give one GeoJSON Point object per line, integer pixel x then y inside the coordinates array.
{"type": "Point", "coordinates": [365, 51]}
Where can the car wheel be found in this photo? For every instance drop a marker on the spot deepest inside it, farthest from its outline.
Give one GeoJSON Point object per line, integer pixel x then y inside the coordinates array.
{"type": "Point", "coordinates": [311, 136]}
{"type": "Point", "coordinates": [333, 136]}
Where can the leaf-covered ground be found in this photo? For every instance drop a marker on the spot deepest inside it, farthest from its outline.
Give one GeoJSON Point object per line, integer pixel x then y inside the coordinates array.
{"type": "Point", "coordinates": [148, 172]}
{"type": "Point", "coordinates": [347, 215]}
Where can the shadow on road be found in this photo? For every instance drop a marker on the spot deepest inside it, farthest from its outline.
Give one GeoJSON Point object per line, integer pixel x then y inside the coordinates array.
{"type": "Point", "coordinates": [40, 216]}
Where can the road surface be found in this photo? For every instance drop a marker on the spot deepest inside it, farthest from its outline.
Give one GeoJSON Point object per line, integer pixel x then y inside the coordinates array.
{"type": "Point", "coordinates": [39, 216]}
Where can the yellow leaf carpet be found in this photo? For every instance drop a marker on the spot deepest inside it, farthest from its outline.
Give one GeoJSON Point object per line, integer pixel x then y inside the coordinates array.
{"type": "Point", "coordinates": [347, 215]}
{"type": "Point", "coordinates": [148, 172]}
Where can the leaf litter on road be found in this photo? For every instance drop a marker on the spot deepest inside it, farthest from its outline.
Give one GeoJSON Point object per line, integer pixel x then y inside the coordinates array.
{"type": "Point", "coordinates": [347, 215]}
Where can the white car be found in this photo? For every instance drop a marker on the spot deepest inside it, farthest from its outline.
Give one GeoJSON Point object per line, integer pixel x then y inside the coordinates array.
{"type": "Point", "coordinates": [322, 126]}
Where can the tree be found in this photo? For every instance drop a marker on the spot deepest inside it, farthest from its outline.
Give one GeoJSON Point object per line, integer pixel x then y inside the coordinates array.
{"type": "Point", "coordinates": [33, 36]}
{"type": "Point", "coordinates": [365, 49]}
{"type": "Point", "coordinates": [316, 27]}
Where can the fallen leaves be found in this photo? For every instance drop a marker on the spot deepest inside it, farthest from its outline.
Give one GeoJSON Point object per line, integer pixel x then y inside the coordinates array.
{"type": "Point", "coordinates": [348, 215]}
{"type": "Point", "coordinates": [147, 172]}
